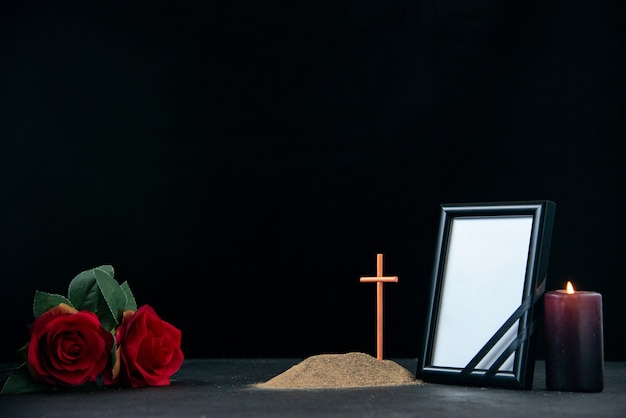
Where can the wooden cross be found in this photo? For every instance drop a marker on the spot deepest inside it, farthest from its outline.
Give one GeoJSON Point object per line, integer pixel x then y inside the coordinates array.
{"type": "Point", "coordinates": [379, 280]}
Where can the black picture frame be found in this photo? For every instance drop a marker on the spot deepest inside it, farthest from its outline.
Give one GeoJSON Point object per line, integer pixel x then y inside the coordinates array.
{"type": "Point", "coordinates": [489, 275]}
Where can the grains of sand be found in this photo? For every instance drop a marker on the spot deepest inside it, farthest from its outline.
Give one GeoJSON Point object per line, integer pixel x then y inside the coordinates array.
{"type": "Point", "coordinates": [348, 370]}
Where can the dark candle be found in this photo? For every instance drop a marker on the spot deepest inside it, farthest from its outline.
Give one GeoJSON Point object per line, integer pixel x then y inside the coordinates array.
{"type": "Point", "coordinates": [574, 340]}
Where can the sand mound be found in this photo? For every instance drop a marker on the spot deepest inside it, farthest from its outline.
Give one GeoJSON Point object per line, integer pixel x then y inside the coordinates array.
{"type": "Point", "coordinates": [341, 371]}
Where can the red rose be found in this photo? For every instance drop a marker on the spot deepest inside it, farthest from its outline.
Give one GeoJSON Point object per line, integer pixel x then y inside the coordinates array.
{"type": "Point", "coordinates": [68, 347]}
{"type": "Point", "coordinates": [149, 349]}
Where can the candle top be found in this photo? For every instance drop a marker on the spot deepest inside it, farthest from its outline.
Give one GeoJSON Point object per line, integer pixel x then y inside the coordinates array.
{"type": "Point", "coordinates": [578, 295]}
{"type": "Point", "coordinates": [578, 292]}
{"type": "Point", "coordinates": [569, 289]}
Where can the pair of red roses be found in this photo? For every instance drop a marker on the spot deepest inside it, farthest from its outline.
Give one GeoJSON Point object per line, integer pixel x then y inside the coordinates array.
{"type": "Point", "coordinates": [96, 335]}
{"type": "Point", "coordinates": [69, 348]}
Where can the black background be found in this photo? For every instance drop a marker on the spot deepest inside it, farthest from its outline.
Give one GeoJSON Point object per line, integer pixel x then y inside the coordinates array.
{"type": "Point", "coordinates": [241, 163]}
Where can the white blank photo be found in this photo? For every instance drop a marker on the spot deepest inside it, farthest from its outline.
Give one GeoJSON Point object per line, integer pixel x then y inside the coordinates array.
{"type": "Point", "coordinates": [482, 286]}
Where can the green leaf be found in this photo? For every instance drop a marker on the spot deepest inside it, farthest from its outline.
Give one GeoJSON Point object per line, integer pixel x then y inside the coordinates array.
{"type": "Point", "coordinates": [20, 381]}
{"type": "Point", "coordinates": [114, 296]}
{"type": "Point", "coordinates": [131, 303]}
{"type": "Point", "coordinates": [97, 291]}
{"type": "Point", "coordinates": [6, 372]}
{"type": "Point", "coordinates": [45, 301]}
{"type": "Point", "coordinates": [84, 292]}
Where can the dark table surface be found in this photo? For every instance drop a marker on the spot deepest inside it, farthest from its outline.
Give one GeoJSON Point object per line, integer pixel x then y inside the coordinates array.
{"type": "Point", "coordinates": [225, 388]}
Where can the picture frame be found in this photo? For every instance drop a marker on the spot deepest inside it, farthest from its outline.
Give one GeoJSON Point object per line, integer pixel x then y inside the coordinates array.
{"type": "Point", "coordinates": [489, 275]}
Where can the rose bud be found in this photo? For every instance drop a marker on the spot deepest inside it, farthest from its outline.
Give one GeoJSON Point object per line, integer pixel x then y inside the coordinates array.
{"type": "Point", "coordinates": [149, 349]}
{"type": "Point", "coordinates": [68, 347]}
